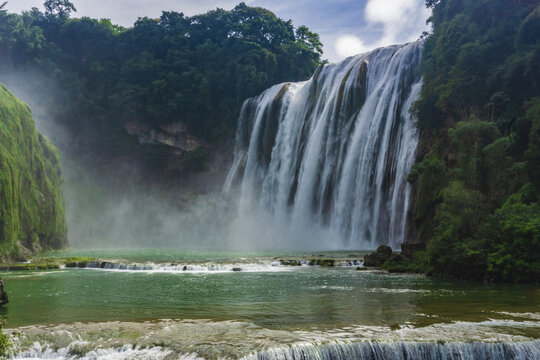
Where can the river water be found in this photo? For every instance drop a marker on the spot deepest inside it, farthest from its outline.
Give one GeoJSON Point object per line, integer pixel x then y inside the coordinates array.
{"type": "Point", "coordinates": [173, 304]}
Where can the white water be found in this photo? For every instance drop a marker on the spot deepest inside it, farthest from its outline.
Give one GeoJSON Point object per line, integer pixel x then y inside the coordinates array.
{"type": "Point", "coordinates": [403, 351]}
{"type": "Point", "coordinates": [324, 162]}
{"type": "Point", "coordinates": [212, 340]}
{"type": "Point", "coordinates": [211, 267]}
{"type": "Point", "coordinates": [365, 350]}
{"type": "Point", "coordinates": [74, 349]}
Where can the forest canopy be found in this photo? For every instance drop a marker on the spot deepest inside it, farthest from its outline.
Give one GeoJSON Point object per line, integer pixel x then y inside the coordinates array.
{"type": "Point", "coordinates": [196, 70]}
{"type": "Point", "coordinates": [477, 187]}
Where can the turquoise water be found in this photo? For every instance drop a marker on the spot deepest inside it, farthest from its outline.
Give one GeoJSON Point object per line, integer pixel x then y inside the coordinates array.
{"type": "Point", "coordinates": [299, 297]}
{"type": "Point", "coordinates": [305, 299]}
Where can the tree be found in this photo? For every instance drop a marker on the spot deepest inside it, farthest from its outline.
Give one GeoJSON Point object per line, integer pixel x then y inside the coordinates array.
{"type": "Point", "coordinates": [60, 8]}
{"type": "Point", "coordinates": [533, 153]}
{"type": "Point", "coordinates": [309, 40]}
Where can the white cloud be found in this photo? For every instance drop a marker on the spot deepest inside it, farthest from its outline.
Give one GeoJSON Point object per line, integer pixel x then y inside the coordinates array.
{"type": "Point", "coordinates": [401, 20]}
{"type": "Point", "coordinates": [387, 22]}
{"type": "Point", "coordinates": [349, 45]}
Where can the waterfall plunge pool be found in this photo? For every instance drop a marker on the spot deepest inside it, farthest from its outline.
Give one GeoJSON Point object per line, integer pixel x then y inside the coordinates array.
{"type": "Point", "coordinates": [148, 313]}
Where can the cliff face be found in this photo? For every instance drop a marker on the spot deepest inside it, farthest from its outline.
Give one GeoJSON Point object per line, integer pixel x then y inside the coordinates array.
{"type": "Point", "coordinates": [31, 201]}
{"type": "Point", "coordinates": [477, 197]}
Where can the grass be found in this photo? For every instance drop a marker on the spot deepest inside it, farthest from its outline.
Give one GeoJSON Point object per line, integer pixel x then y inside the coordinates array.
{"type": "Point", "coordinates": [40, 263]}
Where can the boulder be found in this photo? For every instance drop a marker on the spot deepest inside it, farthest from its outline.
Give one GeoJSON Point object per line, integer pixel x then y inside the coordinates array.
{"type": "Point", "coordinates": [378, 257]}
{"type": "Point", "coordinates": [384, 250]}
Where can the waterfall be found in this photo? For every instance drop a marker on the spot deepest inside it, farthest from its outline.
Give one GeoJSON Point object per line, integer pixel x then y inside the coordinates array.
{"type": "Point", "coordinates": [327, 159]}
{"type": "Point", "coordinates": [404, 350]}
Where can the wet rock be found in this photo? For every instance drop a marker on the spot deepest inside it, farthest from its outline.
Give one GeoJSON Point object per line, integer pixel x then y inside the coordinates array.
{"type": "Point", "coordinates": [327, 262]}
{"type": "Point", "coordinates": [236, 269]}
{"type": "Point", "coordinates": [322, 262]}
{"type": "Point", "coordinates": [384, 250]}
{"type": "Point", "coordinates": [288, 262]}
{"type": "Point", "coordinates": [409, 249]}
{"type": "Point", "coordinates": [77, 264]}
{"type": "Point", "coordinates": [378, 257]}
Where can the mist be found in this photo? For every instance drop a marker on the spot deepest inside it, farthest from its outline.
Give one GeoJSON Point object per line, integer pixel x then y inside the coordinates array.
{"type": "Point", "coordinates": [111, 206]}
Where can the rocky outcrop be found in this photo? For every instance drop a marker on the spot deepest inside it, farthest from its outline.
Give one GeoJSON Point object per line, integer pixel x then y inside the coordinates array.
{"type": "Point", "coordinates": [175, 135]}
{"type": "Point", "coordinates": [31, 200]}
{"type": "Point", "coordinates": [378, 257]}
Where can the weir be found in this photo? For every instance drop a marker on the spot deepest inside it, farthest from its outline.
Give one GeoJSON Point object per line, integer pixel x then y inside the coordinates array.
{"type": "Point", "coordinates": [404, 350]}
{"type": "Point", "coordinates": [332, 154]}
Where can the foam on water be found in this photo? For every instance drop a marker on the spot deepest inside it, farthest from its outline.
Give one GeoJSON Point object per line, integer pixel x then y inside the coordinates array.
{"type": "Point", "coordinates": [262, 265]}
{"type": "Point", "coordinates": [205, 339]}
{"type": "Point", "coordinates": [72, 351]}
{"type": "Point", "coordinates": [188, 268]}
{"type": "Point", "coordinates": [403, 351]}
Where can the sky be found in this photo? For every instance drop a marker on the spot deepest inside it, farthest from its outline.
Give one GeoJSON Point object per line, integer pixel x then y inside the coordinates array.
{"type": "Point", "coordinates": [346, 27]}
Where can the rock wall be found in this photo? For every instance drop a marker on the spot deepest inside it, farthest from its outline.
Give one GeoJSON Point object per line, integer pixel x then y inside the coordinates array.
{"type": "Point", "coordinates": [31, 199]}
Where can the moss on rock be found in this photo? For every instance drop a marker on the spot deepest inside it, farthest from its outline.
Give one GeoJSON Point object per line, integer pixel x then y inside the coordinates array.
{"type": "Point", "coordinates": [31, 200]}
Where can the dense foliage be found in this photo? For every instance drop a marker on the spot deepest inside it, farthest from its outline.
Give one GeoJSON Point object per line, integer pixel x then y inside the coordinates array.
{"type": "Point", "coordinates": [5, 343]}
{"type": "Point", "coordinates": [478, 185]}
{"type": "Point", "coordinates": [197, 70]}
{"type": "Point", "coordinates": [31, 202]}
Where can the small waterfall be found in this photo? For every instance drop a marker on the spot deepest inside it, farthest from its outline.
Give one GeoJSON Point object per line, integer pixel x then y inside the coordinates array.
{"type": "Point", "coordinates": [329, 157]}
{"type": "Point", "coordinates": [403, 351]}
{"type": "Point", "coordinates": [274, 265]}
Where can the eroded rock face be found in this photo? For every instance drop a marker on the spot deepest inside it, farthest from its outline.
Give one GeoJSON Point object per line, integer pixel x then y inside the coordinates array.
{"type": "Point", "coordinates": [175, 135]}
{"type": "Point", "coordinates": [378, 257]}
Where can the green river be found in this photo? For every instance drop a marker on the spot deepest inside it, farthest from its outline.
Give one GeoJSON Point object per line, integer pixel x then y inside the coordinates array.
{"type": "Point", "coordinates": [171, 304]}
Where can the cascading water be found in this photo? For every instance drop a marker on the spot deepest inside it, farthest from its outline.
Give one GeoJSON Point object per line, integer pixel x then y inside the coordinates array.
{"type": "Point", "coordinates": [404, 350]}
{"type": "Point", "coordinates": [330, 156]}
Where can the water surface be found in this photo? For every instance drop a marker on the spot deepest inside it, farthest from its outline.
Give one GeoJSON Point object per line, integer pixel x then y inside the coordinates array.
{"type": "Point", "coordinates": [269, 305]}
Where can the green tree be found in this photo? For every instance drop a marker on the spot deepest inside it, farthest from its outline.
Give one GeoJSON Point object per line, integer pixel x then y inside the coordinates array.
{"type": "Point", "coordinates": [478, 117]}
{"type": "Point", "coordinates": [308, 40]}
{"type": "Point", "coordinates": [60, 8]}
{"type": "Point", "coordinates": [533, 153]}
{"type": "Point", "coordinates": [195, 70]}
